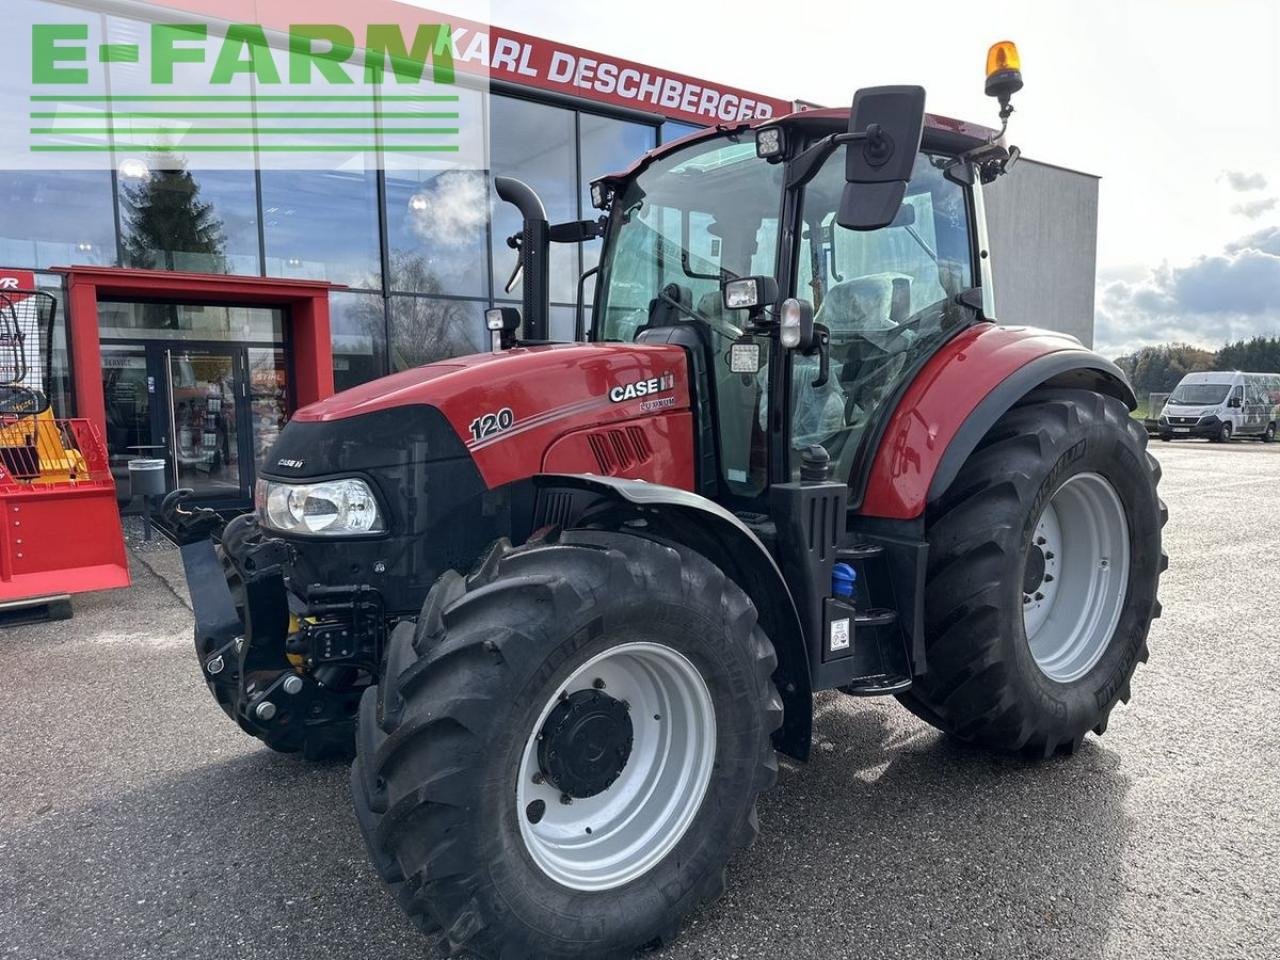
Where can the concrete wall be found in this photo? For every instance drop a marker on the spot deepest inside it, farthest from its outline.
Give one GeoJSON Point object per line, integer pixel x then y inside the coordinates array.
{"type": "Point", "coordinates": [1042, 223]}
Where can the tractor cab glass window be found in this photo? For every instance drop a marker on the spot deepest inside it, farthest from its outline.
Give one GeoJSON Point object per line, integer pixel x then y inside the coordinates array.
{"type": "Point", "coordinates": [887, 296]}
{"type": "Point", "coordinates": [705, 213]}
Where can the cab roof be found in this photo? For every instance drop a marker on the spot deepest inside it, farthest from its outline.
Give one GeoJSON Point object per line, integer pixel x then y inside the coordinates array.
{"type": "Point", "coordinates": [943, 134]}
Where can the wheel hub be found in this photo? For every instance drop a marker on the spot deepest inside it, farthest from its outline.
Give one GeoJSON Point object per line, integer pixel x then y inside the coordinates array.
{"type": "Point", "coordinates": [1034, 575]}
{"type": "Point", "coordinates": [585, 743]}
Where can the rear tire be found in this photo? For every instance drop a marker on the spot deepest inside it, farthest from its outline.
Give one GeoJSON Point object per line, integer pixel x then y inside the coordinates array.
{"type": "Point", "coordinates": [1063, 465]}
{"type": "Point", "coordinates": [438, 788]}
{"type": "Point", "coordinates": [1269, 434]}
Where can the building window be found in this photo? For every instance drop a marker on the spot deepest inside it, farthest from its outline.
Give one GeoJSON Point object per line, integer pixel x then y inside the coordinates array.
{"type": "Point", "coordinates": [56, 218]}
{"type": "Point", "coordinates": [424, 329]}
{"type": "Point", "coordinates": [322, 225]}
{"type": "Point", "coordinates": [535, 143]}
{"type": "Point", "coordinates": [358, 324]}
{"type": "Point", "coordinates": [172, 218]}
{"type": "Point", "coordinates": [438, 218]}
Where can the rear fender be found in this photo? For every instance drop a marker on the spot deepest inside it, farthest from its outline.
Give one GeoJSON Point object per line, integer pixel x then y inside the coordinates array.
{"type": "Point", "coordinates": [959, 395]}
{"type": "Point", "coordinates": [702, 525]}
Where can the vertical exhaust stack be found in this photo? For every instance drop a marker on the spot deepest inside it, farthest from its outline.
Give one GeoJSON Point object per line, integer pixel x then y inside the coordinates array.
{"type": "Point", "coordinates": [533, 246]}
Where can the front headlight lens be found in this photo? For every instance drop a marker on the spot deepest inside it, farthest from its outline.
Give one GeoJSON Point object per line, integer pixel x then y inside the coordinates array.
{"type": "Point", "coordinates": [327, 507]}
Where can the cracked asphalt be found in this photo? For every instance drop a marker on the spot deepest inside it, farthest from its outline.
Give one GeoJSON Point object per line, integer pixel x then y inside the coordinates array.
{"type": "Point", "coordinates": [137, 822]}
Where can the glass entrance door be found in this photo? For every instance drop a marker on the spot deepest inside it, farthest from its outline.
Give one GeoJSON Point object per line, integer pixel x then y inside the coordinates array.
{"type": "Point", "coordinates": [212, 410]}
{"type": "Point", "coordinates": [207, 391]}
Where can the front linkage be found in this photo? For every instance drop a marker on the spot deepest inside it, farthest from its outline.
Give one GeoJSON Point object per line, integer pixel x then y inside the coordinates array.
{"type": "Point", "coordinates": [288, 669]}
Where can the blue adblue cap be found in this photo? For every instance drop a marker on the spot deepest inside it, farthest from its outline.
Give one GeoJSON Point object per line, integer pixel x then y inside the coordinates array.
{"type": "Point", "coordinates": [843, 577]}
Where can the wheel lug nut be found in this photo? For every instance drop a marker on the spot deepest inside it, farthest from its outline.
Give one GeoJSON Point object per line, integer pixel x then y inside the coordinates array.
{"type": "Point", "coordinates": [1041, 541]}
{"type": "Point", "coordinates": [538, 777]}
{"type": "Point", "coordinates": [626, 704]}
{"type": "Point", "coordinates": [1026, 598]}
{"type": "Point", "coordinates": [1048, 554]}
{"type": "Point", "coordinates": [566, 799]}
{"type": "Point", "coordinates": [1048, 578]}
{"type": "Point", "coordinates": [1039, 595]}
{"type": "Point", "coordinates": [598, 683]}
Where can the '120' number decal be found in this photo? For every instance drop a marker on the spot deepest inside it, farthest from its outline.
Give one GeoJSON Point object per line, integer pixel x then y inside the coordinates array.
{"type": "Point", "coordinates": [492, 424]}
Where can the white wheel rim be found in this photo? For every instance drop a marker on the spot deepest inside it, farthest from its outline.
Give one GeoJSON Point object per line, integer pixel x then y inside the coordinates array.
{"type": "Point", "coordinates": [1071, 614]}
{"type": "Point", "coordinates": [604, 841]}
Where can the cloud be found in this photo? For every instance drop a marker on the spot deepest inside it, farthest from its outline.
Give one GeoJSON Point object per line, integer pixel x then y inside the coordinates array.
{"type": "Point", "coordinates": [450, 211]}
{"type": "Point", "coordinates": [1255, 208]}
{"type": "Point", "coordinates": [1240, 181]}
{"type": "Point", "coordinates": [1213, 299]}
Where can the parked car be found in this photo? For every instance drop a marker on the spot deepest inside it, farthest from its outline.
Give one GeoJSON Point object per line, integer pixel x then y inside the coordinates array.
{"type": "Point", "coordinates": [1222, 405]}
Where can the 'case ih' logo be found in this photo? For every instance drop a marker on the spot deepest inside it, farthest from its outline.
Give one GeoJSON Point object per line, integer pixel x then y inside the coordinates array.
{"type": "Point", "coordinates": [643, 388]}
{"type": "Point", "coordinates": [291, 464]}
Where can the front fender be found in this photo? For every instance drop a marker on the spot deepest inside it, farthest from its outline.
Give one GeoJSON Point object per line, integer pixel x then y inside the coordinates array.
{"type": "Point", "coordinates": [705, 526]}
{"type": "Point", "coordinates": [959, 395]}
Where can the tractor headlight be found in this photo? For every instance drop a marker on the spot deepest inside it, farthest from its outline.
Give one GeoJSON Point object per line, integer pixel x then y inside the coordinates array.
{"type": "Point", "coordinates": [330, 508]}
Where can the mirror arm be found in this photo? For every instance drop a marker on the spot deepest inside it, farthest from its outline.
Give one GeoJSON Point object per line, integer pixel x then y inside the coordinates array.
{"type": "Point", "coordinates": [580, 318]}
{"type": "Point", "coordinates": [809, 162]}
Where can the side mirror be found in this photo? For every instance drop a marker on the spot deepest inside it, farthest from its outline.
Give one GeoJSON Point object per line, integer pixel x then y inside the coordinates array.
{"type": "Point", "coordinates": [885, 128]}
{"type": "Point", "coordinates": [1235, 402]}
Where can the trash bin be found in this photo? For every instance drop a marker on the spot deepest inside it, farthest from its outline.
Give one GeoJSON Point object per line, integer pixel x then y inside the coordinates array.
{"type": "Point", "coordinates": [147, 480]}
{"type": "Point", "coordinates": [147, 477]}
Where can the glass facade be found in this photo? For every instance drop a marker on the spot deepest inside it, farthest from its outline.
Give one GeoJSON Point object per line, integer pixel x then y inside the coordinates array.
{"type": "Point", "coordinates": [423, 253]}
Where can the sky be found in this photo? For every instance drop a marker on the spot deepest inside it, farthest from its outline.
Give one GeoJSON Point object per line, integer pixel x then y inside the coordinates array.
{"type": "Point", "coordinates": [1175, 104]}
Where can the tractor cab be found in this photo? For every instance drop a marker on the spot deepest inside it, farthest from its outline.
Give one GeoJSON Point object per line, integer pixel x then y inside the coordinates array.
{"type": "Point", "coordinates": [695, 219]}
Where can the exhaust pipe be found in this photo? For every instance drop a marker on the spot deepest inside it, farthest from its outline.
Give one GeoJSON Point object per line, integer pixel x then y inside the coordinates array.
{"type": "Point", "coordinates": [535, 255]}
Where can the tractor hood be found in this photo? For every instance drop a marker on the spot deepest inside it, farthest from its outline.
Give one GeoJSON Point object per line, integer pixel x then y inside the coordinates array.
{"type": "Point", "coordinates": [503, 408]}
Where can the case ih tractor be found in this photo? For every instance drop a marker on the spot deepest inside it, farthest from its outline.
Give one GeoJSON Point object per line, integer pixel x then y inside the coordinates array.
{"type": "Point", "coordinates": [564, 601]}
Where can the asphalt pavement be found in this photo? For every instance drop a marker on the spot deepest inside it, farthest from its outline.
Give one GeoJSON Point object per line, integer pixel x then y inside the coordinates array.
{"type": "Point", "coordinates": [137, 822]}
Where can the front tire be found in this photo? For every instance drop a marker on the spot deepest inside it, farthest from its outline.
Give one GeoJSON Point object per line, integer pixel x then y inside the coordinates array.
{"type": "Point", "coordinates": [1224, 433]}
{"type": "Point", "coordinates": [508, 777]}
{"type": "Point", "coordinates": [1044, 561]}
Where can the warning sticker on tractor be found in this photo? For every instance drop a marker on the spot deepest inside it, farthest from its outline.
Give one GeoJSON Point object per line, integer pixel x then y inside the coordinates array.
{"type": "Point", "coordinates": [840, 634]}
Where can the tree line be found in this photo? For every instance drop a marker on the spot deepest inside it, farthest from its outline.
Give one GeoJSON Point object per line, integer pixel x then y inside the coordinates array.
{"type": "Point", "coordinates": [1158, 369]}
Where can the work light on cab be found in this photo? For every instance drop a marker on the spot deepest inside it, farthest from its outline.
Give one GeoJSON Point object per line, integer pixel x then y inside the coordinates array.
{"type": "Point", "coordinates": [770, 143]}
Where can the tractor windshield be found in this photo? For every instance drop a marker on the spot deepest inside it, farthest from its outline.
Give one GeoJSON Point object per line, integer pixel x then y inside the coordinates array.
{"type": "Point", "coordinates": [887, 297]}
{"type": "Point", "coordinates": [703, 213]}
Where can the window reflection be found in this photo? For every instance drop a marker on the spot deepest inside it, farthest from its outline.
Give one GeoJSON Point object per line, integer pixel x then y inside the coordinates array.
{"type": "Point", "coordinates": [438, 215]}
{"type": "Point", "coordinates": [56, 218]}
{"type": "Point", "coordinates": [322, 225]}
{"type": "Point", "coordinates": [172, 218]}
{"type": "Point", "coordinates": [424, 330]}
{"type": "Point", "coordinates": [534, 143]}
{"type": "Point", "coordinates": [358, 325]}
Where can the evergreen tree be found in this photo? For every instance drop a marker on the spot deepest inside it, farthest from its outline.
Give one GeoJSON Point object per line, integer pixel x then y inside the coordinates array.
{"type": "Point", "coordinates": [165, 219]}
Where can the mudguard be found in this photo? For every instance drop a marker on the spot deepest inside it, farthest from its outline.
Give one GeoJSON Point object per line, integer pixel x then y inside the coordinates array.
{"type": "Point", "coordinates": [574, 500]}
{"type": "Point", "coordinates": [958, 396]}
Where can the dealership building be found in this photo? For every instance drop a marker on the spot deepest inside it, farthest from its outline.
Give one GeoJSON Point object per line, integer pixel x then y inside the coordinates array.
{"type": "Point", "coordinates": [199, 308]}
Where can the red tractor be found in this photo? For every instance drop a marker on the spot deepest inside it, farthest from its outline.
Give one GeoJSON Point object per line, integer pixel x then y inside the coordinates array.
{"type": "Point", "coordinates": [564, 601]}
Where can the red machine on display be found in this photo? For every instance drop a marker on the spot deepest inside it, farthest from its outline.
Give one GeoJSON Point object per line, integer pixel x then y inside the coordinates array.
{"type": "Point", "coordinates": [61, 533]}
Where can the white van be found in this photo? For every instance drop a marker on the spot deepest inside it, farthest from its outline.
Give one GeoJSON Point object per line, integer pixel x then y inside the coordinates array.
{"type": "Point", "coordinates": [1221, 406]}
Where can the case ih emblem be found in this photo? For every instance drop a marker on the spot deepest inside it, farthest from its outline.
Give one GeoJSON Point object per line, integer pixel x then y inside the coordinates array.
{"type": "Point", "coordinates": [643, 388]}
